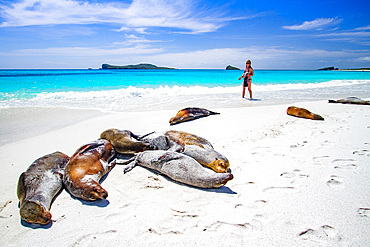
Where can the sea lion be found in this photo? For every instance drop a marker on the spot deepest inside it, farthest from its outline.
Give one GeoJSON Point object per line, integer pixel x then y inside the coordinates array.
{"type": "Point", "coordinates": [179, 167]}
{"type": "Point", "coordinates": [124, 141]}
{"type": "Point", "coordinates": [38, 186]}
{"type": "Point", "coordinates": [191, 113]}
{"type": "Point", "coordinates": [189, 144]}
{"type": "Point", "coordinates": [351, 100]}
{"type": "Point", "coordinates": [86, 167]}
{"type": "Point", "coordinates": [303, 113]}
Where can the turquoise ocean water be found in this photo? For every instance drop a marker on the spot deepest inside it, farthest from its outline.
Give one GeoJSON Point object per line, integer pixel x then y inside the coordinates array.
{"type": "Point", "coordinates": [135, 90]}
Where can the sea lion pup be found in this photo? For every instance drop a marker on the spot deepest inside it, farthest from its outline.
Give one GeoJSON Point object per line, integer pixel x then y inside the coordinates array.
{"type": "Point", "coordinates": [351, 100]}
{"type": "Point", "coordinates": [86, 167]}
{"type": "Point", "coordinates": [303, 113]}
{"type": "Point", "coordinates": [124, 141]}
{"type": "Point", "coordinates": [179, 167]}
{"type": "Point", "coordinates": [38, 186]}
{"type": "Point", "coordinates": [191, 113]}
{"type": "Point", "coordinates": [189, 144]}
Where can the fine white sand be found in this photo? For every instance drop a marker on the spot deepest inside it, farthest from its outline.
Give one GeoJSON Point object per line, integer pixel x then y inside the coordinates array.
{"type": "Point", "coordinates": [297, 182]}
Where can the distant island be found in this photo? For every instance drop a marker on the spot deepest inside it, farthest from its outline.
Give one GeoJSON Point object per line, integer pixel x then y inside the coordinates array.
{"type": "Point", "coordinates": [229, 67]}
{"type": "Point", "coordinates": [329, 68]}
{"type": "Point", "coordinates": [137, 66]}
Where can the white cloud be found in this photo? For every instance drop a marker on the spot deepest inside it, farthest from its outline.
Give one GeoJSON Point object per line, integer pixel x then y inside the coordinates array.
{"type": "Point", "coordinates": [318, 23]}
{"type": "Point", "coordinates": [139, 15]}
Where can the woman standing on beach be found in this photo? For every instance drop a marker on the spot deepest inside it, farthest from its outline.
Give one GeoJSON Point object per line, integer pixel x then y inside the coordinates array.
{"type": "Point", "coordinates": [248, 73]}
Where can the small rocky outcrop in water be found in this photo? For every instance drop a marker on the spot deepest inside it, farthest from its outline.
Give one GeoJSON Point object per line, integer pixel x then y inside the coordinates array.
{"type": "Point", "coordinates": [137, 66]}
{"type": "Point", "coordinates": [229, 67]}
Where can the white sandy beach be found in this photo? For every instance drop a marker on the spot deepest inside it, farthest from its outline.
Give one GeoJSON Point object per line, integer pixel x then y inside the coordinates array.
{"type": "Point", "coordinates": [297, 182]}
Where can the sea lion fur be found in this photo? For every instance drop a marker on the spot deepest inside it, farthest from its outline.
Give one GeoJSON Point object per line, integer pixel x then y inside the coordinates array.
{"type": "Point", "coordinates": [189, 144]}
{"type": "Point", "coordinates": [179, 167]}
{"type": "Point", "coordinates": [124, 141]}
{"type": "Point", "coordinates": [303, 113]}
{"type": "Point", "coordinates": [85, 169]}
{"type": "Point", "coordinates": [190, 113]}
{"type": "Point", "coordinates": [38, 186]}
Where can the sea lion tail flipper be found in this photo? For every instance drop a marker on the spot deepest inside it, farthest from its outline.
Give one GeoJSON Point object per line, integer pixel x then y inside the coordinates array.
{"type": "Point", "coordinates": [317, 117]}
{"type": "Point", "coordinates": [213, 113]}
{"type": "Point", "coordinates": [130, 166]}
{"type": "Point", "coordinates": [141, 137]}
{"type": "Point", "coordinates": [124, 162]}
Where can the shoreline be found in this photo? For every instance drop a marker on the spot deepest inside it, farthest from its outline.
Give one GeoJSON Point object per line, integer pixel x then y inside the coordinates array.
{"type": "Point", "coordinates": [296, 182]}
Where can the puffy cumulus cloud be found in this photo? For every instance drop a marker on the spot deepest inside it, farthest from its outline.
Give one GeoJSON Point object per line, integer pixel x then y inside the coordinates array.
{"type": "Point", "coordinates": [136, 16]}
{"type": "Point", "coordinates": [318, 23]}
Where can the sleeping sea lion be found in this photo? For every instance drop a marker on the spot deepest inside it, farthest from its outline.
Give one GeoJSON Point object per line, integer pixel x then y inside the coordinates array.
{"type": "Point", "coordinates": [124, 141]}
{"type": "Point", "coordinates": [194, 146]}
{"type": "Point", "coordinates": [86, 167]}
{"type": "Point", "coordinates": [351, 100]}
{"type": "Point", "coordinates": [190, 113]}
{"type": "Point", "coordinates": [181, 168]}
{"type": "Point", "coordinates": [303, 113]}
{"type": "Point", "coordinates": [39, 185]}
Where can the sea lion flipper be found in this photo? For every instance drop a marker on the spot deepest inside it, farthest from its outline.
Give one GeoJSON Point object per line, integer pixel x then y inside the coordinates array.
{"type": "Point", "coordinates": [129, 167]}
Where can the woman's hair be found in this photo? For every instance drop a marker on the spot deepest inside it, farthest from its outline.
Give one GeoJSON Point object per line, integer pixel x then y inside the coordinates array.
{"type": "Point", "coordinates": [249, 61]}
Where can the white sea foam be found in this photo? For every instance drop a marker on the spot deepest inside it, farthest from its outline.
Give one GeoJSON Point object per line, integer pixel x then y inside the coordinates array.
{"type": "Point", "coordinates": [163, 97]}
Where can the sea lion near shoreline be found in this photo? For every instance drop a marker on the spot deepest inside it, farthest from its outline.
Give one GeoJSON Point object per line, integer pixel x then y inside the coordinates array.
{"type": "Point", "coordinates": [124, 141]}
{"type": "Point", "coordinates": [85, 169]}
{"type": "Point", "coordinates": [303, 113]}
{"type": "Point", "coordinates": [179, 167]}
{"type": "Point", "coordinates": [189, 144]}
{"type": "Point", "coordinates": [191, 113]}
{"type": "Point", "coordinates": [351, 100]}
{"type": "Point", "coordinates": [38, 186]}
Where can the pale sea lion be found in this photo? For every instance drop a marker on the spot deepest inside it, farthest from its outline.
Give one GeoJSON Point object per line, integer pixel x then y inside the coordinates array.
{"type": "Point", "coordinates": [38, 186]}
{"type": "Point", "coordinates": [124, 141]}
{"type": "Point", "coordinates": [191, 113]}
{"type": "Point", "coordinates": [303, 113]}
{"type": "Point", "coordinates": [85, 169]}
{"type": "Point", "coordinates": [189, 144]}
{"type": "Point", "coordinates": [181, 168]}
{"type": "Point", "coordinates": [351, 100]}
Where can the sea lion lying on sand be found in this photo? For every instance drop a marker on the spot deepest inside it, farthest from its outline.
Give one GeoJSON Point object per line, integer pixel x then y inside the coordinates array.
{"type": "Point", "coordinates": [124, 141]}
{"type": "Point", "coordinates": [194, 146]}
{"type": "Point", "coordinates": [38, 186]}
{"type": "Point", "coordinates": [303, 113]}
{"type": "Point", "coordinates": [351, 100]}
{"type": "Point", "coordinates": [86, 167]}
{"type": "Point", "coordinates": [190, 113]}
{"type": "Point", "coordinates": [179, 167]}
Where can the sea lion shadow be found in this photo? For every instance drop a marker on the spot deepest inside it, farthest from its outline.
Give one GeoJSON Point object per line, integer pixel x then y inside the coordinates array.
{"type": "Point", "coordinates": [36, 226]}
{"type": "Point", "coordinates": [222, 189]}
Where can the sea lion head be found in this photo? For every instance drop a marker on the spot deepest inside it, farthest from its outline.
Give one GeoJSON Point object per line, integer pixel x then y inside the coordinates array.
{"type": "Point", "coordinates": [33, 212]}
{"type": "Point", "coordinates": [220, 165]}
{"type": "Point", "coordinates": [95, 192]}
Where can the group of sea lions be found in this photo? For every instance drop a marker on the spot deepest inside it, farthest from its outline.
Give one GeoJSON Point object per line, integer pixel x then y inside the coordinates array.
{"type": "Point", "coordinates": [182, 156]}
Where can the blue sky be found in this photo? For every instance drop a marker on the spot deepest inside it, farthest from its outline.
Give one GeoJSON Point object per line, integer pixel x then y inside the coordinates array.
{"type": "Point", "coordinates": [185, 33]}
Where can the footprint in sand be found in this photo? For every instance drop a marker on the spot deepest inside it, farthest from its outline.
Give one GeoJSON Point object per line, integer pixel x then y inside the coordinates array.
{"type": "Point", "coordinates": [319, 160]}
{"type": "Point", "coordinates": [364, 212]}
{"type": "Point", "coordinates": [362, 152]}
{"type": "Point", "coordinates": [248, 229]}
{"type": "Point", "coordinates": [344, 164]}
{"type": "Point", "coordinates": [335, 182]}
{"type": "Point", "coordinates": [296, 177]}
{"type": "Point", "coordinates": [275, 189]}
{"type": "Point", "coordinates": [323, 234]}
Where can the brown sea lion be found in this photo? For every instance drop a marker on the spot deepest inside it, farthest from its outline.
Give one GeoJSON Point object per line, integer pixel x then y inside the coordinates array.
{"type": "Point", "coordinates": [124, 141]}
{"type": "Point", "coordinates": [180, 167]}
{"type": "Point", "coordinates": [303, 113]}
{"type": "Point", "coordinates": [38, 186]}
{"type": "Point", "coordinates": [85, 169]}
{"type": "Point", "coordinates": [189, 144]}
{"type": "Point", "coordinates": [190, 113]}
{"type": "Point", "coordinates": [351, 100]}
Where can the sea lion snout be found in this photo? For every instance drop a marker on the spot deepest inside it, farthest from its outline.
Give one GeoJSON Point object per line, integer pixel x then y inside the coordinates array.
{"type": "Point", "coordinates": [96, 193]}
{"type": "Point", "coordinates": [33, 212]}
{"type": "Point", "coordinates": [220, 165]}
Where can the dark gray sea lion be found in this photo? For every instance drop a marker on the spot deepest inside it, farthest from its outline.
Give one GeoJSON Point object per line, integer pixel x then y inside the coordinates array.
{"type": "Point", "coordinates": [124, 141]}
{"type": "Point", "coordinates": [303, 113]}
{"type": "Point", "coordinates": [85, 169]}
{"type": "Point", "coordinates": [351, 100]}
{"type": "Point", "coordinates": [38, 186]}
{"type": "Point", "coordinates": [190, 113]}
{"type": "Point", "coordinates": [181, 168]}
{"type": "Point", "coordinates": [189, 144]}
